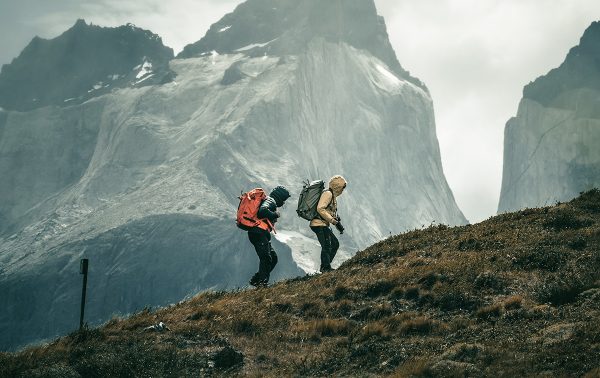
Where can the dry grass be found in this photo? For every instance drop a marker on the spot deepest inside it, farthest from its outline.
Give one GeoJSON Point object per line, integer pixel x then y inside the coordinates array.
{"type": "Point", "coordinates": [391, 310]}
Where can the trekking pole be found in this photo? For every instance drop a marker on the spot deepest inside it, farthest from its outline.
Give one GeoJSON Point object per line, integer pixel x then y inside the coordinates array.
{"type": "Point", "coordinates": [83, 269]}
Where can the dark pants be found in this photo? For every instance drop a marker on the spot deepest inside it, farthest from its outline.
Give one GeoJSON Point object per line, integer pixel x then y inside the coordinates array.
{"type": "Point", "coordinates": [329, 245]}
{"type": "Point", "coordinates": [261, 240]}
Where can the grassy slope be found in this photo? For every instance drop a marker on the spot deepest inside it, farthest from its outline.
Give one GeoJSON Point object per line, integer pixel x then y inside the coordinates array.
{"type": "Point", "coordinates": [518, 294]}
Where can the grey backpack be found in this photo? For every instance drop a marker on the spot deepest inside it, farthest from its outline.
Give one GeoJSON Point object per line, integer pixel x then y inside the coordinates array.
{"type": "Point", "coordinates": [309, 198]}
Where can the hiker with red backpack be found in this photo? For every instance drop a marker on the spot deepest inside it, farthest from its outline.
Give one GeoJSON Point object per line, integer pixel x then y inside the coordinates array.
{"type": "Point", "coordinates": [257, 214]}
{"type": "Point", "coordinates": [322, 215]}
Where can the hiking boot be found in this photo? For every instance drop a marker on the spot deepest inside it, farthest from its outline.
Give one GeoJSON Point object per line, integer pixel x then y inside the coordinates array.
{"type": "Point", "coordinates": [325, 269]}
{"type": "Point", "coordinates": [254, 281]}
{"type": "Point", "coordinates": [257, 282]}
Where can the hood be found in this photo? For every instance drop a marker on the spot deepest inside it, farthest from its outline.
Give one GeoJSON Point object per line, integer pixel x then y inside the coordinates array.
{"type": "Point", "coordinates": [280, 194]}
{"type": "Point", "coordinates": [337, 185]}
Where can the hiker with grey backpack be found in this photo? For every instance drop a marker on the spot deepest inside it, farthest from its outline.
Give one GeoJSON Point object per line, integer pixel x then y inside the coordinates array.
{"type": "Point", "coordinates": [320, 207]}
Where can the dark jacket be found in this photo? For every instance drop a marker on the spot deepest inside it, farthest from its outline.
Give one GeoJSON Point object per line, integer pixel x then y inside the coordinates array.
{"type": "Point", "coordinates": [267, 210]}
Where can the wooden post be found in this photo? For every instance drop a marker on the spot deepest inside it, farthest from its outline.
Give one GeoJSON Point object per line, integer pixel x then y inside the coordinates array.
{"type": "Point", "coordinates": [83, 269]}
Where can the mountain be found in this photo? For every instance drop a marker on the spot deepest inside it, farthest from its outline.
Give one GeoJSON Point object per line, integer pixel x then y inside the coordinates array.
{"type": "Point", "coordinates": [551, 147]}
{"type": "Point", "coordinates": [144, 181]}
{"type": "Point", "coordinates": [517, 295]}
{"type": "Point", "coordinates": [84, 62]}
{"type": "Point", "coordinates": [286, 27]}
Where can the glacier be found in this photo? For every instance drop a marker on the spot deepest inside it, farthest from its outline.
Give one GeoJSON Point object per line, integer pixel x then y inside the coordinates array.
{"type": "Point", "coordinates": [144, 181]}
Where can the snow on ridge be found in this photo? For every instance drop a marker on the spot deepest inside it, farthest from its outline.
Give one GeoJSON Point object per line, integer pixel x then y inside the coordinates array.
{"type": "Point", "coordinates": [145, 70]}
{"type": "Point", "coordinates": [249, 47]}
{"type": "Point", "coordinates": [225, 28]}
{"type": "Point", "coordinates": [143, 79]}
{"type": "Point", "coordinates": [389, 76]}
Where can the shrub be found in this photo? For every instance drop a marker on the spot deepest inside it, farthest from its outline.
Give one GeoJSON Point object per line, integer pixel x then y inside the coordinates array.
{"type": "Point", "coordinates": [376, 329]}
{"type": "Point", "coordinates": [455, 301]}
{"type": "Point", "coordinates": [343, 307]}
{"type": "Point", "coordinates": [411, 292]}
{"type": "Point", "coordinates": [284, 307]}
{"type": "Point", "coordinates": [563, 287]}
{"type": "Point", "coordinates": [373, 313]}
{"type": "Point", "coordinates": [428, 280]}
{"type": "Point", "coordinates": [513, 303]}
{"type": "Point", "coordinates": [328, 328]}
{"type": "Point", "coordinates": [489, 280]}
{"type": "Point", "coordinates": [244, 326]}
{"type": "Point", "coordinates": [578, 243]}
{"type": "Point", "coordinates": [470, 244]}
{"type": "Point", "coordinates": [380, 288]}
{"type": "Point", "coordinates": [312, 309]}
{"type": "Point", "coordinates": [420, 325]}
{"type": "Point", "coordinates": [565, 219]}
{"type": "Point", "coordinates": [542, 257]}
{"type": "Point", "coordinates": [489, 312]}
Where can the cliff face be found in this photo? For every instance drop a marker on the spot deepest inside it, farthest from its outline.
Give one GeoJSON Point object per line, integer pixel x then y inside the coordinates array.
{"type": "Point", "coordinates": [550, 147]}
{"type": "Point", "coordinates": [128, 178]}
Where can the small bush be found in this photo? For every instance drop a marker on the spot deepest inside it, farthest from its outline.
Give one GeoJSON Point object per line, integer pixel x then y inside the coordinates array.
{"type": "Point", "coordinates": [380, 311]}
{"type": "Point", "coordinates": [470, 244]}
{"type": "Point", "coordinates": [284, 307]}
{"type": "Point", "coordinates": [328, 328]}
{"type": "Point", "coordinates": [540, 257]}
{"type": "Point", "coordinates": [244, 327]}
{"type": "Point", "coordinates": [563, 287]}
{"type": "Point", "coordinates": [489, 280]}
{"type": "Point", "coordinates": [456, 301]}
{"type": "Point", "coordinates": [428, 280]}
{"type": "Point", "coordinates": [513, 303]}
{"type": "Point", "coordinates": [312, 309]}
{"type": "Point", "coordinates": [489, 312]}
{"type": "Point", "coordinates": [578, 243]}
{"type": "Point", "coordinates": [566, 219]}
{"type": "Point", "coordinates": [373, 313]}
{"type": "Point", "coordinates": [411, 292]}
{"type": "Point", "coordinates": [344, 307]}
{"type": "Point", "coordinates": [420, 325]}
{"type": "Point", "coordinates": [341, 292]}
{"type": "Point", "coordinates": [377, 330]}
{"type": "Point", "coordinates": [380, 288]}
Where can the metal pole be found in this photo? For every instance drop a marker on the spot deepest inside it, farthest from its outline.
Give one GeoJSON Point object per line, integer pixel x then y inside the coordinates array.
{"type": "Point", "coordinates": [83, 269]}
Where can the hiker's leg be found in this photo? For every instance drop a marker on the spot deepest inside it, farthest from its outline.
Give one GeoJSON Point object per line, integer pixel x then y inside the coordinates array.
{"type": "Point", "coordinates": [273, 257]}
{"type": "Point", "coordinates": [325, 245]}
{"type": "Point", "coordinates": [335, 244]}
{"type": "Point", "coordinates": [261, 245]}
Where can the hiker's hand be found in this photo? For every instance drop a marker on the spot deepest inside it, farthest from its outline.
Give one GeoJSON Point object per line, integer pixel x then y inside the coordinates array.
{"type": "Point", "coordinates": [334, 221]}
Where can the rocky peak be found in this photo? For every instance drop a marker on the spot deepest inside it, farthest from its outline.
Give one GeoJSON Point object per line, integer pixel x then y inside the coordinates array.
{"type": "Point", "coordinates": [280, 27]}
{"type": "Point", "coordinates": [581, 69]}
{"type": "Point", "coordinates": [85, 61]}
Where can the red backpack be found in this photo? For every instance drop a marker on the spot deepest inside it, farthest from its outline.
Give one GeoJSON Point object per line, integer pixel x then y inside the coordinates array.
{"type": "Point", "coordinates": [247, 214]}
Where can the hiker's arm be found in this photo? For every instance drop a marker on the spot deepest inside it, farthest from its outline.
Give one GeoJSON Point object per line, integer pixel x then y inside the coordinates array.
{"type": "Point", "coordinates": [324, 201]}
{"type": "Point", "coordinates": [265, 212]}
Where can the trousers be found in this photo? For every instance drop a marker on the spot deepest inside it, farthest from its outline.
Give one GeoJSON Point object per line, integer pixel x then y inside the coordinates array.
{"type": "Point", "coordinates": [261, 240]}
{"type": "Point", "coordinates": [329, 245]}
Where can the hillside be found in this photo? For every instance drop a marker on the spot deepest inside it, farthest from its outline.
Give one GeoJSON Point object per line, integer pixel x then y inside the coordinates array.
{"type": "Point", "coordinates": [516, 295]}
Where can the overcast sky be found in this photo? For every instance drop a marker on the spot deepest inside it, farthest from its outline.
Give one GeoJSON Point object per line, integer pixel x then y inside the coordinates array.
{"type": "Point", "coordinates": [474, 55]}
